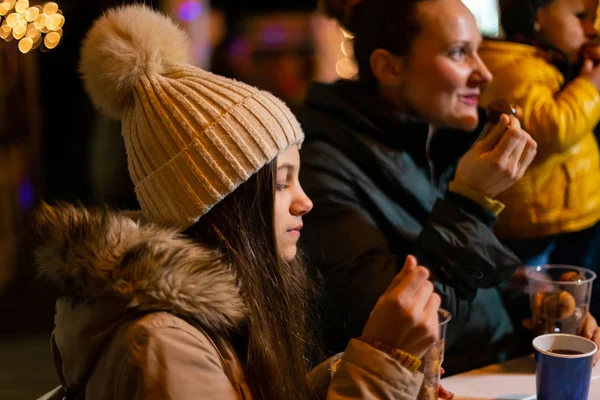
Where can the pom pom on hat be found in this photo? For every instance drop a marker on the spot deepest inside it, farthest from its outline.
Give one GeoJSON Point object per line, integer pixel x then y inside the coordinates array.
{"type": "Point", "coordinates": [123, 44]}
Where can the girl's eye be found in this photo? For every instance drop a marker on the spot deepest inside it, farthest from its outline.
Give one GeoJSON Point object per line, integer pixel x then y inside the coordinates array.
{"type": "Point", "coordinates": [281, 186]}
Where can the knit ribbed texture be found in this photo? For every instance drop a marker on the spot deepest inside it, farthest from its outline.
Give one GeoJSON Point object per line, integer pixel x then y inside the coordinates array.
{"type": "Point", "coordinates": [192, 137]}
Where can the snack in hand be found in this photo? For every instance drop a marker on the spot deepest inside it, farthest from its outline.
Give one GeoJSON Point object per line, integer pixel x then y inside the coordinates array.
{"type": "Point", "coordinates": [498, 107]}
{"type": "Point", "coordinates": [591, 51]}
{"type": "Point", "coordinates": [493, 112]}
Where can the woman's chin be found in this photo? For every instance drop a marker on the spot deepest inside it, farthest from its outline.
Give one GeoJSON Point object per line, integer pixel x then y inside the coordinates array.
{"type": "Point", "coordinates": [463, 122]}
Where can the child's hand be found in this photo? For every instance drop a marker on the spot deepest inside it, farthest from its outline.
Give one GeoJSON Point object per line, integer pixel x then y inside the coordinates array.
{"type": "Point", "coordinates": [591, 72]}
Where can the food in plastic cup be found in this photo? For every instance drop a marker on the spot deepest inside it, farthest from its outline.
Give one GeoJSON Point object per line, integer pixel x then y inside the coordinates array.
{"type": "Point", "coordinates": [431, 362]}
{"type": "Point", "coordinates": [559, 297]}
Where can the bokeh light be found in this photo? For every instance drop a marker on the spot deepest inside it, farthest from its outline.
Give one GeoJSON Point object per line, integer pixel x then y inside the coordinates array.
{"type": "Point", "coordinates": [33, 26]}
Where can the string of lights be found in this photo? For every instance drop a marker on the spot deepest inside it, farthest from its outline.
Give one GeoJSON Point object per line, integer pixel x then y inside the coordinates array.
{"type": "Point", "coordinates": [32, 26]}
{"type": "Point", "coordinates": [346, 65]}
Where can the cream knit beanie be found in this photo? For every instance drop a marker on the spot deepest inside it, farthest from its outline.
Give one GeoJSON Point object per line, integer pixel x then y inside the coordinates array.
{"type": "Point", "coordinates": [192, 137]}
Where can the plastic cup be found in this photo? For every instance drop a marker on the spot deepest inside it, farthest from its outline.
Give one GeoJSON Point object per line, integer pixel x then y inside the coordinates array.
{"type": "Point", "coordinates": [560, 297]}
{"type": "Point", "coordinates": [431, 362]}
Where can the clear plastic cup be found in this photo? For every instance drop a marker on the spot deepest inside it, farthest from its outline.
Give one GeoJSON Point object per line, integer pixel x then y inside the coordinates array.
{"type": "Point", "coordinates": [431, 362]}
{"type": "Point", "coordinates": [560, 297]}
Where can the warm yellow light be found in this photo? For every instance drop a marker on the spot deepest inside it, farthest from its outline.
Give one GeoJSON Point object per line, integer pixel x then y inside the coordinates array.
{"type": "Point", "coordinates": [54, 21]}
{"type": "Point", "coordinates": [53, 37]}
{"type": "Point", "coordinates": [33, 27]}
{"type": "Point", "coordinates": [41, 21]}
{"type": "Point", "coordinates": [48, 40]}
{"type": "Point", "coordinates": [346, 68]}
{"type": "Point", "coordinates": [12, 20]}
{"type": "Point", "coordinates": [33, 32]}
{"type": "Point", "coordinates": [25, 45]}
{"type": "Point", "coordinates": [32, 13]}
{"type": "Point", "coordinates": [50, 8]}
{"type": "Point", "coordinates": [4, 8]}
{"type": "Point", "coordinates": [37, 42]}
{"type": "Point", "coordinates": [347, 35]}
{"type": "Point", "coordinates": [5, 33]}
{"type": "Point", "coordinates": [18, 31]}
{"type": "Point", "coordinates": [347, 48]}
{"type": "Point", "coordinates": [22, 6]}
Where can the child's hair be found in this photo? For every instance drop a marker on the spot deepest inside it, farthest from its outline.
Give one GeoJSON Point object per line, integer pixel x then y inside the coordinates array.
{"type": "Point", "coordinates": [275, 292]}
{"type": "Point", "coordinates": [518, 18]}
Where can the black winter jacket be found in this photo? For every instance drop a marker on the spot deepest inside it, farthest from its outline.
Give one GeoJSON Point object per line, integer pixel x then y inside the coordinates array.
{"type": "Point", "coordinates": [379, 188]}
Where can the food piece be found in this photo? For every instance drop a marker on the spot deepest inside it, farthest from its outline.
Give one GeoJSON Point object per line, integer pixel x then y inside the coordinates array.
{"type": "Point", "coordinates": [591, 51]}
{"type": "Point", "coordinates": [431, 367]}
{"type": "Point", "coordinates": [498, 107]}
{"type": "Point", "coordinates": [570, 276]}
{"type": "Point", "coordinates": [560, 305]}
{"type": "Point", "coordinates": [493, 112]}
{"type": "Point", "coordinates": [578, 291]}
{"type": "Point", "coordinates": [428, 393]}
{"type": "Point", "coordinates": [537, 305]}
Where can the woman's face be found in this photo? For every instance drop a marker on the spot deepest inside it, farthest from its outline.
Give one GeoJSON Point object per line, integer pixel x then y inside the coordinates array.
{"type": "Point", "coordinates": [291, 203]}
{"type": "Point", "coordinates": [567, 25]}
{"type": "Point", "coordinates": [442, 74]}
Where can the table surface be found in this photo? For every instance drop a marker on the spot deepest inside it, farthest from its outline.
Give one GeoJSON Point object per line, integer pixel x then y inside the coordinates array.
{"type": "Point", "coordinates": [512, 380]}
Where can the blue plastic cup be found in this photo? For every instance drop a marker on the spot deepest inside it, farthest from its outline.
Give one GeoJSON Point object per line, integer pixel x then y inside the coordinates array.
{"type": "Point", "coordinates": [563, 366]}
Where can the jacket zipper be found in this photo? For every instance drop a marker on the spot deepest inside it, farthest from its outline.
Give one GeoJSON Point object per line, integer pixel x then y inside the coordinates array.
{"type": "Point", "coordinates": [429, 160]}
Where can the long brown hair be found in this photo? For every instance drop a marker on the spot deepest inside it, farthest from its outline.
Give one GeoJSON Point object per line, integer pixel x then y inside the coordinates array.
{"type": "Point", "coordinates": [274, 291]}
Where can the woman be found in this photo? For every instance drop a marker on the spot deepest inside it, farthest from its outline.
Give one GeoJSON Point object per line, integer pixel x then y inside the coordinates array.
{"type": "Point", "coordinates": [202, 296]}
{"type": "Point", "coordinates": [553, 212]}
{"type": "Point", "coordinates": [390, 164]}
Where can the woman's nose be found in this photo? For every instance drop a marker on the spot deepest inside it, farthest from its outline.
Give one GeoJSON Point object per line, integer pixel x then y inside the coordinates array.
{"type": "Point", "coordinates": [481, 73]}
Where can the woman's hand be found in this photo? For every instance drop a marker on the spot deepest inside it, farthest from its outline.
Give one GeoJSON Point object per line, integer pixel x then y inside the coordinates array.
{"type": "Point", "coordinates": [590, 330]}
{"type": "Point", "coordinates": [406, 315]}
{"type": "Point", "coordinates": [495, 163]}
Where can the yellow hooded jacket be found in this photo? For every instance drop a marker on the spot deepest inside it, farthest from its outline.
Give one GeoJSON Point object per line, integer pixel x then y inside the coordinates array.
{"type": "Point", "coordinates": [560, 192]}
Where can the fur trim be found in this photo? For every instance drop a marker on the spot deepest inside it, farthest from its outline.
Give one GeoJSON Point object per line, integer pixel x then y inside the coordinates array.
{"type": "Point", "coordinates": [124, 44]}
{"type": "Point", "coordinates": [89, 254]}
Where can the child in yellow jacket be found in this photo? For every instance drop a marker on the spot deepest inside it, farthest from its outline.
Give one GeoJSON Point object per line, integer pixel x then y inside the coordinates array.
{"type": "Point", "coordinates": [552, 213]}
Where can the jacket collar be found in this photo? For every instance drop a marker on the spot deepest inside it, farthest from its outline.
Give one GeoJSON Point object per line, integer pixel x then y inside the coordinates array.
{"type": "Point", "coordinates": [364, 109]}
{"type": "Point", "coordinates": [94, 255]}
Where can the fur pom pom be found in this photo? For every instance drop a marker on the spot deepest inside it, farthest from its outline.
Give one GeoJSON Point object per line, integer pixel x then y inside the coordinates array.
{"type": "Point", "coordinates": [123, 44]}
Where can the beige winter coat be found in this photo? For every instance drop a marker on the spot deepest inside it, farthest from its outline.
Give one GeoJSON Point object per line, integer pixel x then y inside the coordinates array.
{"type": "Point", "coordinates": [143, 314]}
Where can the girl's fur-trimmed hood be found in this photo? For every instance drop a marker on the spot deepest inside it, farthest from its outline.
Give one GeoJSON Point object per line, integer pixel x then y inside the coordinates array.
{"type": "Point", "coordinates": [89, 255]}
